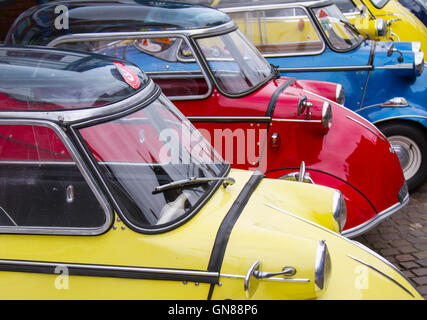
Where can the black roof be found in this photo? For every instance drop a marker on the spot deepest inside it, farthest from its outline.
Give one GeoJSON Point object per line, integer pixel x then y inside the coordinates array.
{"type": "Point", "coordinates": [37, 24]}
{"type": "Point", "coordinates": [44, 79]}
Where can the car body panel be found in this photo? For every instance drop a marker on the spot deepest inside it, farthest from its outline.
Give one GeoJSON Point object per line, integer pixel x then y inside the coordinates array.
{"type": "Point", "coordinates": [373, 74]}
{"type": "Point", "coordinates": [350, 287]}
{"type": "Point", "coordinates": [206, 256]}
{"type": "Point", "coordinates": [407, 28]}
{"type": "Point", "coordinates": [216, 113]}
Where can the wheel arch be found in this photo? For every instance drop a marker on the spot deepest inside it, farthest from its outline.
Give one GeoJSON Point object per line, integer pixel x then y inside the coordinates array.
{"type": "Point", "coordinates": [416, 122]}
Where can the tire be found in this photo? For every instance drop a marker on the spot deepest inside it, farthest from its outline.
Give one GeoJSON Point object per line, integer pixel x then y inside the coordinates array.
{"type": "Point", "coordinates": [410, 144]}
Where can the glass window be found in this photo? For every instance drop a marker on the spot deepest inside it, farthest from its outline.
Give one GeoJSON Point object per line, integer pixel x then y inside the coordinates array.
{"type": "Point", "coordinates": [341, 34]}
{"type": "Point", "coordinates": [279, 31]}
{"type": "Point", "coordinates": [168, 61]}
{"type": "Point", "coordinates": [235, 63]}
{"type": "Point", "coordinates": [40, 184]}
{"type": "Point", "coordinates": [153, 147]}
{"type": "Point", "coordinates": [54, 80]}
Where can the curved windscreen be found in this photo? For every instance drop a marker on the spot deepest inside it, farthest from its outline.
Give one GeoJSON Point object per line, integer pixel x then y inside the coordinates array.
{"type": "Point", "coordinates": [236, 65]}
{"type": "Point", "coordinates": [37, 80]}
{"type": "Point", "coordinates": [340, 32]}
{"type": "Point", "coordinates": [150, 161]}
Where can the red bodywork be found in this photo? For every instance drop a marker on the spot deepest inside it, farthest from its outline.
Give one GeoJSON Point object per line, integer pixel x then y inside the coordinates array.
{"type": "Point", "coordinates": [352, 156]}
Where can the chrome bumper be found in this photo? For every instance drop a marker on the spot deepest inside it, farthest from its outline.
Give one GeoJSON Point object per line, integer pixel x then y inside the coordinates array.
{"type": "Point", "coordinates": [360, 229]}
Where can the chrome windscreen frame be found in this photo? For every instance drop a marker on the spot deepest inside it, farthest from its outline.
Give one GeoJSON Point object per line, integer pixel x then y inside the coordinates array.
{"type": "Point", "coordinates": [184, 34]}
{"type": "Point", "coordinates": [94, 166]}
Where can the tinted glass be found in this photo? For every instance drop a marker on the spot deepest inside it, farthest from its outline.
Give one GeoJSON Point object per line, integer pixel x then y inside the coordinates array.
{"type": "Point", "coordinates": [169, 61]}
{"type": "Point", "coordinates": [40, 184]}
{"type": "Point", "coordinates": [54, 80]}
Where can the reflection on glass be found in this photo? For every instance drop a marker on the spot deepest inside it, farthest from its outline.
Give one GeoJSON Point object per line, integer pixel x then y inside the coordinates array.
{"type": "Point", "coordinates": [341, 34]}
{"type": "Point", "coordinates": [235, 63]}
{"type": "Point", "coordinates": [149, 148]}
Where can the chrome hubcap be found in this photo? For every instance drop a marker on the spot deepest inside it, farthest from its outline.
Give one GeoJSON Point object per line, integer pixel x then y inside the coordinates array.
{"type": "Point", "coordinates": [408, 153]}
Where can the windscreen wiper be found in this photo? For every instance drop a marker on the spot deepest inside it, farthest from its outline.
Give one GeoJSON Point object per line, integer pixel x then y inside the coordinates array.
{"type": "Point", "coordinates": [350, 26]}
{"type": "Point", "coordinates": [191, 181]}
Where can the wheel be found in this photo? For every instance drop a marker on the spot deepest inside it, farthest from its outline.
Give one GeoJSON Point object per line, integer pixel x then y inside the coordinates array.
{"type": "Point", "coordinates": [410, 145]}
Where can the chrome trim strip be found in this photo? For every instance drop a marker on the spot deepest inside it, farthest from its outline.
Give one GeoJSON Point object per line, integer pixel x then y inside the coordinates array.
{"type": "Point", "coordinates": [87, 177]}
{"type": "Point", "coordinates": [273, 6]}
{"type": "Point", "coordinates": [320, 69]}
{"type": "Point", "coordinates": [364, 227]}
{"type": "Point", "coordinates": [382, 273]}
{"type": "Point", "coordinates": [302, 219]}
{"type": "Point", "coordinates": [232, 276]}
{"type": "Point", "coordinates": [114, 271]}
{"type": "Point", "coordinates": [108, 267]}
{"type": "Point", "coordinates": [219, 118]}
{"type": "Point", "coordinates": [98, 36]}
{"type": "Point", "coordinates": [296, 120]}
{"type": "Point", "coordinates": [39, 163]}
{"type": "Point", "coordinates": [397, 66]}
{"type": "Point", "coordinates": [370, 129]}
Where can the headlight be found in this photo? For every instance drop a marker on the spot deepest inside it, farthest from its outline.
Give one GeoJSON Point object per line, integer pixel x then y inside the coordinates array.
{"type": "Point", "coordinates": [381, 27]}
{"type": "Point", "coordinates": [340, 95]}
{"type": "Point", "coordinates": [339, 209]}
{"type": "Point", "coordinates": [326, 115]}
{"type": "Point", "coordinates": [322, 267]}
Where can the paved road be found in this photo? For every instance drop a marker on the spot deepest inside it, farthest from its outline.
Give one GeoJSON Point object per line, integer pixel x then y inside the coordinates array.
{"type": "Point", "coordinates": [402, 239]}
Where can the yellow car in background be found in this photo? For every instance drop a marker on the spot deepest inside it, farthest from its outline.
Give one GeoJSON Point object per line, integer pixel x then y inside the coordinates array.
{"type": "Point", "coordinates": [108, 192]}
{"type": "Point", "coordinates": [384, 20]}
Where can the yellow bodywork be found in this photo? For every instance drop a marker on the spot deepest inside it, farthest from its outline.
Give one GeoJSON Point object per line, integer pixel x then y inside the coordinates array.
{"type": "Point", "coordinates": [266, 230]}
{"type": "Point", "coordinates": [407, 28]}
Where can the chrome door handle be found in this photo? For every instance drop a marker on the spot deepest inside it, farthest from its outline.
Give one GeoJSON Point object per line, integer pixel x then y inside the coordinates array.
{"type": "Point", "coordinates": [286, 271]}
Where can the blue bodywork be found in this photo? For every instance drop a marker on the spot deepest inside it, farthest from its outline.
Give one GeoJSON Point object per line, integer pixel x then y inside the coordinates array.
{"type": "Point", "coordinates": [369, 77]}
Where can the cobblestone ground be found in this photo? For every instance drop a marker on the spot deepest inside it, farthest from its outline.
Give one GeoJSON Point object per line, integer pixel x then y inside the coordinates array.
{"type": "Point", "coordinates": [402, 239]}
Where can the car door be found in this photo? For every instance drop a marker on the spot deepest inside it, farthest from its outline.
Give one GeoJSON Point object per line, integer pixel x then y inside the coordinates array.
{"type": "Point", "coordinates": [60, 239]}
